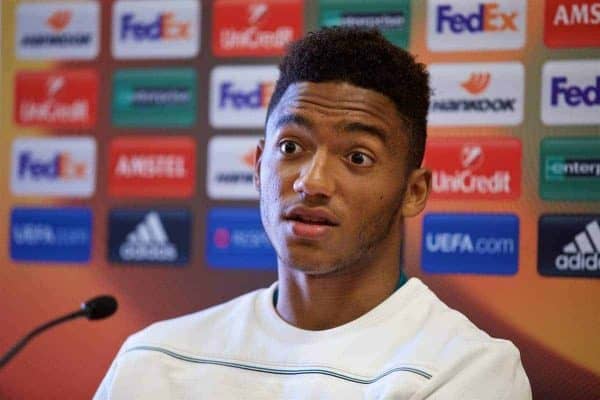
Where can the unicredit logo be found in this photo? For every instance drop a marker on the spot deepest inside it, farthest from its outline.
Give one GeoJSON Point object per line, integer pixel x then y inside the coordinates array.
{"type": "Point", "coordinates": [166, 26]}
{"type": "Point", "coordinates": [233, 97]}
{"type": "Point", "coordinates": [487, 17]}
{"type": "Point", "coordinates": [151, 166]}
{"type": "Point", "coordinates": [253, 37]}
{"type": "Point", "coordinates": [466, 170]}
{"type": "Point", "coordinates": [574, 95]}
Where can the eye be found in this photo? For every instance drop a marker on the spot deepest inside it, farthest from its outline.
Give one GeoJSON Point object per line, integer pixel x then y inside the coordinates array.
{"type": "Point", "coordinates": [360, 159]}
{"type": "Point", "coordinates": [289, 147]}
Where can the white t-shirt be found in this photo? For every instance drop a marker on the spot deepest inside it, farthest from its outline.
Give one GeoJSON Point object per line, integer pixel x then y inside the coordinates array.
{"type": "Point", "coordinates": [411, 346]}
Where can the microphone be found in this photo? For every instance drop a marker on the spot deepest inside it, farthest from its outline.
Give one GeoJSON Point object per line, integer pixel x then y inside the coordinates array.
{"type": "Point", "coordinates": [97, 308]}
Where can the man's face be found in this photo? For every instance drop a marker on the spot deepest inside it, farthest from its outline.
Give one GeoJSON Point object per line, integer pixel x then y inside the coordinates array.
{"type": "Point", "coordinates": [332, 173]}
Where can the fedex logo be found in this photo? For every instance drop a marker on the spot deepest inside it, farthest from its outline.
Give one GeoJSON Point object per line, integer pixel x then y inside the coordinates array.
{"type": "Point", "coordinates": [153, 29]}
{"type": "Point", "coordinates": [571, 92]}
{"type": "Point", "coordinates": [165, 27]}
{"type": "Point", "coordinates": [58, 166]}
{"type": "Point", "coordinates": [573, 23]}
{"type": "Point", "coordinates": [498, 24]}
{"type": "Point", "coordinates": [487, 18]}
{"type": "Point", "coordinates": [240, 95]}
{"type": "Point", "coordinates": [257, 97]}
{"type": "Point", "coordinates": [474, 168]}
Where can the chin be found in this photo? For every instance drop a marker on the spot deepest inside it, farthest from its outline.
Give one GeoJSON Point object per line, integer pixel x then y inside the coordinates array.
{"type": "Point", "coordinates": [310, 262]}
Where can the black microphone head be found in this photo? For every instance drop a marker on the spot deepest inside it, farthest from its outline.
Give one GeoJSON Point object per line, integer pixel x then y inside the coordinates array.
{"type": "Point", "coordinates": [100, 307]}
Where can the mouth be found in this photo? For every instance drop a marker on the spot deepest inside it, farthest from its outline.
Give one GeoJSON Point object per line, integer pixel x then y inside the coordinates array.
{"type": "Point", "coordinates": [310, 223]}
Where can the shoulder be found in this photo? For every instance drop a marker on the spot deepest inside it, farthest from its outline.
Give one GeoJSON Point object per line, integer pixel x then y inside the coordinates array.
{"type": "Point", "coordinates": [185, 333]}
{"type": "Point", "coordinates": [467, 360]}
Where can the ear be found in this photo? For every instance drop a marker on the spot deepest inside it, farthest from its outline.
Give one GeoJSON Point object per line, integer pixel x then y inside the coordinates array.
{"type": "Point", "coordinates": [257, 160]}
{"type": "Point", "coordinates": [418, 186]}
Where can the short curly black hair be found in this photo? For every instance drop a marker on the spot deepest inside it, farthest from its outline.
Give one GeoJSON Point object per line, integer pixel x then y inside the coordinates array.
{"type": "Point", "coordinates": [364, 58]}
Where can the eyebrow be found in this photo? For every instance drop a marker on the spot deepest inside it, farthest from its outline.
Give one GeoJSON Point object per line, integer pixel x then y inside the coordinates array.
{"type": "Point", "coordinates": [293, 119]}
{"type": "Point", "coordinates": [370, 129]}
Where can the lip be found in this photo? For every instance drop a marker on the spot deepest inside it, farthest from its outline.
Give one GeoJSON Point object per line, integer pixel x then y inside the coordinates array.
{"type": "Point", "coordinates": [324, 219]}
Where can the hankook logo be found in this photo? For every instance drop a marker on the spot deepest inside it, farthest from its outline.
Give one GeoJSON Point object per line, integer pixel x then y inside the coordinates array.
{"type": "Point", "coordinates": [476, 94]}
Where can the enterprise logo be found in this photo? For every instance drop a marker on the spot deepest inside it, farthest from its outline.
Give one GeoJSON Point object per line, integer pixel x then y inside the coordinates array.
{"type": "Point", "coordinates": [570, 168]}
{"type": "Point", "coordinates": [155, 29]}
{"type": "Point", "coordinates": [57, 30]}
{"type": "Point", "coordinates": [476, 94]}
{"type": "Point", "coordinates": [235, 238]}
{"type": "Point", "coordinates": [470, 243]}
{"type": "Point", "coordinates": [569, 245]}
{"type": "Point", "coordinates": [475, 25]}
{"type": "Point", "coordinates": [571, 92]}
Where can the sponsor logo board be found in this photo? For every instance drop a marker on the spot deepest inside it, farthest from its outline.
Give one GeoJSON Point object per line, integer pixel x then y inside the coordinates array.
{"type": "Point", "coordinates": [470, 243]}
{"type": "Point", "coordinates": [57, 166]}
{"type": "Point", "coordinates": [159, 166]}
{"type": "Point", "coordinates": [572, 23]}
{"type": "Point", "coordinates": [467, 94]}
{"type": "Point", "coordinates": [391, 17]}
{"type": "Point", "coordinates": [155, 29]}
{"type": "Point", "coordinates": [231, 167]}
{"type": "Point", "coordinates": [469, 25]}
{"type": "Point", "coordinates": [474, 168]}
{"type": "Point", "coordinates": [51, 234]}
{"type": "Point", "coordinates": [66, 99]}
{"type": "Point", "coordinates": [235, 238]}
{"type": "Point", "coordinates": [239, 95]}
{"type": "Point", "coordinates": [57, 30]}
{"type": "Point", "coordinates": [571, 92]}
{"type": "Point", "coordinates": [154, 97]}
{"type": "Point", "coordinates": [149, 236]}
{"type": "Point", "coordinates": [255, 29]}
{"type": "Point", "coordinates": [570, 168]}
{"type": "Point", "coordinates": [569, 245]}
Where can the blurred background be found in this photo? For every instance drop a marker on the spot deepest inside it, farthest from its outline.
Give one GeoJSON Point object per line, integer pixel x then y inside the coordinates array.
{"type": "Point", "coordinates": [128, 129]}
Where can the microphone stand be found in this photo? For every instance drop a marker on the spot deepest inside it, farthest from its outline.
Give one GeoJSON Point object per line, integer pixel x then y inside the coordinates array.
{"type": "Point", "coordinates": [21, 343]}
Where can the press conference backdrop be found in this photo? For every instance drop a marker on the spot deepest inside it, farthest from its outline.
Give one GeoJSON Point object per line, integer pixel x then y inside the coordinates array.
{"type": "Point", "coordinates": [128, 130]}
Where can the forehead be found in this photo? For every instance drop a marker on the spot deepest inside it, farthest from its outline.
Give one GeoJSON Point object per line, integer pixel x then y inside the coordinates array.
{"type": "Point", "coordinates": [335, 100]}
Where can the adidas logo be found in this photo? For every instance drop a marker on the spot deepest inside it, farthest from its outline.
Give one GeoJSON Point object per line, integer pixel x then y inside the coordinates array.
{"type": "Point", "coordinates": [583, 253]}
{"type": "Point", "coordinates": [148, 242]}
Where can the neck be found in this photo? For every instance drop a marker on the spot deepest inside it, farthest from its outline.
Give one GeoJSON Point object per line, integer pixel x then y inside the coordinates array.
{"type": "Point", "coordinates": [317, 302]}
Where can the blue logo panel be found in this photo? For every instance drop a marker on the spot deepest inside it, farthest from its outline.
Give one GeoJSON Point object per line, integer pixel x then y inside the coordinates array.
{"type": "Point", "coordinates": [149, 236]}
{"type": "Point", "coordinates": [235, 238]}
{"type": "Point", "coordinates": [470, 243]}
{"type": "Point", "coordinates": [51, 234]}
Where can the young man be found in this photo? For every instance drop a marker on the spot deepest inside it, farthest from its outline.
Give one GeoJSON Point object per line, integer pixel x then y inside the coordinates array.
{"type": "Point", "coordinates": [338, 171]}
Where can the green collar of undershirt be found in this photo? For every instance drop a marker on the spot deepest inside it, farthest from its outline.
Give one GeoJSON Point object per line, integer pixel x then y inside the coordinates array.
{"type": "Point", "coordinates": [401, 281]}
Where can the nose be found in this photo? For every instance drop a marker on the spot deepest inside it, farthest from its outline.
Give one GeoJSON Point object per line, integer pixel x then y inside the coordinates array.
{"type": "Point", "coordinates": [316, 178]}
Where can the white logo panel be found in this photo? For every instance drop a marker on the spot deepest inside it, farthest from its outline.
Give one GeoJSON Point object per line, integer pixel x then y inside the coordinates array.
{"type": "Point", "coordinates": [485, 94]}
{"type": "Point", "coordinates": [58, 166]}
{"type": "Point", "coordinates": [475, 25]}
{"type": "Point", "coordinates": [571, 92]}
{"type": "Point", "coordinates": [57, 30]}
{"type": "Point", "coordinates": [239, 95]}
{"type": "Point", "coordinates": [231, 167]}
{"type": "Point", "coordinates": [155, 29]}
